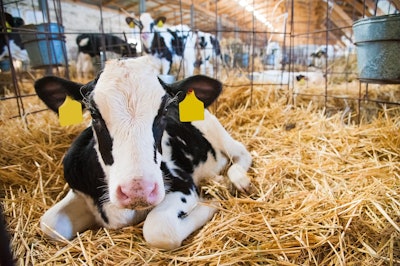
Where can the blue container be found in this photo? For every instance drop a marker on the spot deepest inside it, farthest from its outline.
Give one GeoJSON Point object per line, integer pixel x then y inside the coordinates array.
{"type": "Point", "coordinates": [5, 65]}
{"type": "Point", "coordinates": [45, 44]}
{"type": "Point", "coordinates": [245, 60]}
{"type": "Point", "coordinates": [270, 59]}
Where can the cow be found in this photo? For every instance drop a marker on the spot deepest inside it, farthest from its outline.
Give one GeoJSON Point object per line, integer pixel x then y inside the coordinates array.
{"type": "Point", "coordinates": [167, 43]}
{"type": "Point", "coordinates": [318, 57]}
{"type": "Point", "coordinates": [209, 49]}
{"type": "Point", "coordinates": [17, 49]}
{"type": "Point", "coordinates": [84, 66]}
{"type": "Point", "coordinates": [184, 43]}
{"type": "Point", "coordinates": [137, 161]}
{"type": "Point", "coordinates": [91, 45]}
{"type": "Point", "coordinates": [178, 43]}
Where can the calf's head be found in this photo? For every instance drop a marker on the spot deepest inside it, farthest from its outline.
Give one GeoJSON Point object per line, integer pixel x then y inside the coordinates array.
{"type": "Point", "coordinates": [130, 107]}
{"type": "Point", "coordinates": [149, 27]}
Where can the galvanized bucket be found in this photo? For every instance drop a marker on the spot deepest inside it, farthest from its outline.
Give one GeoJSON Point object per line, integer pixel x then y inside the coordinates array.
{"type": "Point", "coordinates": [378, 48]}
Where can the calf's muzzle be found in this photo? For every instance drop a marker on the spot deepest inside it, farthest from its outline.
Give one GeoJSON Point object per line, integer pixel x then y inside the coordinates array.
{"type": "Point", "coordinates": [139, 193]}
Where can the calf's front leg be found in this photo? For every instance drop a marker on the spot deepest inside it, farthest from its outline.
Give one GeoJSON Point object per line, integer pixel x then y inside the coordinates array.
{"type": "Point", "coordinates": [174, 219]}
{"type": "Point", "coordinates": [68, 217]}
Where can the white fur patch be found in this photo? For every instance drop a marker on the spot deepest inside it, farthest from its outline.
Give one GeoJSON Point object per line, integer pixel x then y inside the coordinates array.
{"type": "Point", "coordinates": [128, 96]}
{"type": "Point", "coordinates": [165, 229]}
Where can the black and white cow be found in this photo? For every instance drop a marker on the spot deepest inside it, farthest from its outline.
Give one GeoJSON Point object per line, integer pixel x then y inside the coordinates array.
{"type": "Point", "coordinates": [137, 161]}
{"type": "Point", "coordinates": [91, 45]}
{"type": "Point", "coordinates": [318, 58]}
{"type": "Point", "coordinates": [168, 43]}
{"type": "Point", "coordinates": [15, 43]}
{"type": "Point", "coordinates": [178, 44]}
{"type": "Point", "coordinates": [209, 49]}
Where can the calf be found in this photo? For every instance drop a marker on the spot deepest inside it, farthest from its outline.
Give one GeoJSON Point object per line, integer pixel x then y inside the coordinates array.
{"type": "Point", "coordinates": [168, 43]}
{"type": "Point", "coordinates": [84, 66]}
{"type": "Point", "coordinates": [177, 44]}
{"type": "Point", "coordinates": [318, 57]}
{"type": "Point", "coordinates": [209, 49]}
{"type": "Point", "coordinates": [14, 39]}
{"type": "Point", "coordinates": [137, 161]}
{"type": "Point", "coordinates": [91, 45]}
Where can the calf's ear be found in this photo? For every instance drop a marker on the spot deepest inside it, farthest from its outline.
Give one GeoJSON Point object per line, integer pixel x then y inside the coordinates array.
{"type": "Point", "coordinates": [205, 88]}
{"type": "Point", "coordinates": [53, 91]}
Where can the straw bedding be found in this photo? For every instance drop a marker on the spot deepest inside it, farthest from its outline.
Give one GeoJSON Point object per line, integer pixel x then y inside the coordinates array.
{"type": "Point", "coordinates": [325, 192]}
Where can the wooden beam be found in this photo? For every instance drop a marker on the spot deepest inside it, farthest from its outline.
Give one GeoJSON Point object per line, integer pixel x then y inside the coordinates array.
{"type": "Point", "coordinates": [372, 5]}
{"type": "Point", "coordinates": [396, 4]}
{"type": "Point", "coordinates": [359, 7]}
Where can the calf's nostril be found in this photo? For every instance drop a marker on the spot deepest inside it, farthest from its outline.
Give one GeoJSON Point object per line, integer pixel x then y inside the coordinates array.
{"type": "Point", "coordinates": [138, 193]}
{"type": "Point", "coordinates": [153, 195]}
{"type": "Point", "coordinates": [121, 194]}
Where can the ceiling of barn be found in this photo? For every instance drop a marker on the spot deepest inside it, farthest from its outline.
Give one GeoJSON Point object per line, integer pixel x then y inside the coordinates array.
{"type": "Point", "coordinates": [314, 21]}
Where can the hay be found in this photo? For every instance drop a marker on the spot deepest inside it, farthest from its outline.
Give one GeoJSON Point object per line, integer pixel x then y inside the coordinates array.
{"type": "Point", "coordinates": [325, 192]}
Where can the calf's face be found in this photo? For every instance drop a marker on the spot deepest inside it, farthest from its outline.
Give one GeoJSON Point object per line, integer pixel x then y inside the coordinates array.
{"type": "Point", "coordinates": [147, 28]}
{"type": "Point", "coordinates": [129, 108]}
{"type": "Point", "coordinates": [123, 108]}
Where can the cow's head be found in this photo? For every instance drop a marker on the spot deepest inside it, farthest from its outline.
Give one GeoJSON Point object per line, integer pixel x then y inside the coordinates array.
{"type": "Point", "coordinates": [148, 26]}
{"type": "Point", "coordinates": [129, 106]}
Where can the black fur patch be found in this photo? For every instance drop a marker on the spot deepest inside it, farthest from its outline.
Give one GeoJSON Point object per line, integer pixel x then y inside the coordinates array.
{"type": "Point", "coordinates": [180, 183]}
{"type": "Point", "coordinates": [189, 146]}
{"type": "Point", "coordinates": [159, 124]}
{"type": "Point", "coordinates": [83, 171]}
{"type": "Point", "coordinates": [159, 47]}
{"type": "Point", "coordinates": [182, 215]}
{"type": "Point", "coordinates": [104, 139]}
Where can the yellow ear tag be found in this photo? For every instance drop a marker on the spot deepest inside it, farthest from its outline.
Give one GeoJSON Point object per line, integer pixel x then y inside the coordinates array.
{"type": "Point", "coordinates": [191, 108]}
{"type": "Point", "coordinates": [8, 27]}
{"type": "Point", "coordinates": [131, 24]}
{"type": "Point", "coordinates": [160, 23]}
{"type": "Point", "coordinates": [70, 112]}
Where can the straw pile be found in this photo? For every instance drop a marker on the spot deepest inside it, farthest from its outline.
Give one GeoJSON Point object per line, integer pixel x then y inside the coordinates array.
{"type": "Point", "coordinates": [325, 192]}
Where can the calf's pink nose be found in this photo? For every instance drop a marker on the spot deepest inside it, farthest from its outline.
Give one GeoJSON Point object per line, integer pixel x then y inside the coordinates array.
{"type": "Point", "coordinates": [138, 193]}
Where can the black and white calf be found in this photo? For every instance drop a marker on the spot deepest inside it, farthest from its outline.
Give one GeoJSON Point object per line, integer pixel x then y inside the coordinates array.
{"type": "Point", "coordinates": [178, 44]}
{"type": "Point", "coordinates": [91, 45]}
{"type": "Point", "coordinates": [168, 43]}
{"type": "Point", "coordinates": [209, 49]}
{"type": "Point", "coordinates": [14, 39]}
{"type": "Point", "coordinates": [137, 161]}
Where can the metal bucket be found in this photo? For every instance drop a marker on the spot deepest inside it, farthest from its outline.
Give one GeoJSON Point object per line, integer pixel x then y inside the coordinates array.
{"type": "Point", "coordinates": [378, 48]}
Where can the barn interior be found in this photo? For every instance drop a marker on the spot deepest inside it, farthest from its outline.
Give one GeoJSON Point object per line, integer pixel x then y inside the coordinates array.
{"type": "Point", "coordinates": [317, 107]}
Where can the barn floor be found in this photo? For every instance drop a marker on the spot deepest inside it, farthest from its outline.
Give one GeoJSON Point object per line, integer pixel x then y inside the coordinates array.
{"type": "Point", "coordinates": [326, 191]}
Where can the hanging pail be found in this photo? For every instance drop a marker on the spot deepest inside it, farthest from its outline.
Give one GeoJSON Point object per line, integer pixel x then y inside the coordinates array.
{"type": "Point", "coordinates": [378, 48]}
{"type": "Point", "coordinates": [45, 44]}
